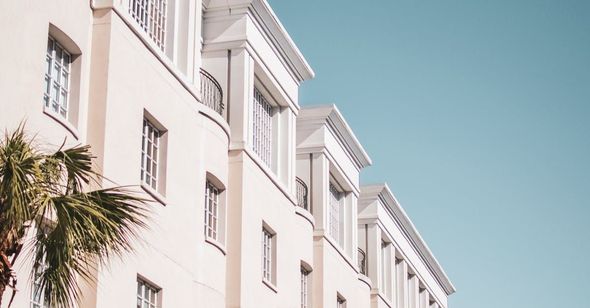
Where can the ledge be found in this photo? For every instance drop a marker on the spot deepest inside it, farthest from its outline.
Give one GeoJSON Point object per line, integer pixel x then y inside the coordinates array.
{"type": "Point", "coordinates": [154, 194]}
{"type": "Point", "coordinates": [216, 244]}
{"type": "Point", "coordinates": [266, 170]}
{"type": "Point", "coordinates": [188, 85]}
{"type": "Point", "coordinates": [366, 280]}
{"type": "Point", "coordinates": [63, 122]}
{"type": "Point", "coordinates": [338, 249]}
{"type": "Point", "coordinates": [305, 214]}
{"type": "Point", "coordinates": [270, 285]}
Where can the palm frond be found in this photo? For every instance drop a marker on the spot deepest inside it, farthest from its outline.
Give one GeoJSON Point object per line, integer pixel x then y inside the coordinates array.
{"type": "Point", "coordinates": [77, 228]}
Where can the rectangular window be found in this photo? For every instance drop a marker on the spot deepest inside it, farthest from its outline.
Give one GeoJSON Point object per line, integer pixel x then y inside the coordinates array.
{"type": "Point", "coordinates": [150, 15]}
{"type": "Point", "coordinates": [211, 211]}
{"type": "Point", "coordinates": [335, 212]}
{"type": "Point", "coordinates": [341, 302]}
{"type": "Point", "coordinates": [150, 154]}
{"type": "Point", "coordinates": [37, 295]}
{"type": "Point", "coordinates": [57, 78]}
{"type": "Point", "coordinates": [267, 256]}
{"type": "Point", "coordinates": [262, 127]}
{"type": "Point", "coordinates": [305, 288]}
{"type": "Point", "coordinates": [148, 295]}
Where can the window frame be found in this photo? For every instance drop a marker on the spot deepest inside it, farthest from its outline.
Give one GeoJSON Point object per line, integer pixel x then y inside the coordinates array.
{"type": "Point", "coordinates": [142, 283]}
{"type": "Point", "coordinates": [268, 256]}
{"type": "Point", "coordinates": [219, 240]}
{"type": "Point", "coordinates": [336, 201]}
{"type": "Point", "coordinates": [58, 106]}
{"type": "Point", "coordinates": [212, 205]}
{"type": "Point", "coordinates": [264, 134]}
{"type": "Point", "coordinates": [158, 191]}
{"type": "Point", "coordinates": [147, 20]}
{"type": "Point", "coordinates": [305, 286]}
{"type": "Point", "coordinates": [340, 301]}
{"type": "Point", "coordinates": [38, 299]}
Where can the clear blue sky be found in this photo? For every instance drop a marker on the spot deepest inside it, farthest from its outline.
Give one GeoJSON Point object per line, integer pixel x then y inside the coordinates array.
{"type": "Point", "coordinates": [477, 113]}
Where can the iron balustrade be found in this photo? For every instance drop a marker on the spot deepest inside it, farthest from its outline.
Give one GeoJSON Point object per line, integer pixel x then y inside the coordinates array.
{"type": "Point", "coordinates": [301, 194]}
{"type": "Point", "coordinates": [362, 257]}
{"type": "Point", "coordinates": [211, 93]}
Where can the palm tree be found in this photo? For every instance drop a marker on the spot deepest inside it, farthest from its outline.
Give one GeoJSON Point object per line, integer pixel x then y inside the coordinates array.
{"type": "Point", "coordinates": [45, 204]}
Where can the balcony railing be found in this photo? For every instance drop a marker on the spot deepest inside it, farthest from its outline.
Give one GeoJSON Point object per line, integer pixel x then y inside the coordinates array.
{"type": "Point", "coordinates": [362, 262]}
{"type": "Point", "coordinates": [301, 194]}
{"type": "Point", "coordinates": [211, 93]}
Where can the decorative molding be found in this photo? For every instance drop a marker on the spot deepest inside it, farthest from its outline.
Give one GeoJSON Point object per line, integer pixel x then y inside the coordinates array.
{"type": "Point", "coordinates": [312, 118]}
{"type": "Point", "coordinates": [269, 25]}
{"type": "Point", "coordinates": [381, 192]}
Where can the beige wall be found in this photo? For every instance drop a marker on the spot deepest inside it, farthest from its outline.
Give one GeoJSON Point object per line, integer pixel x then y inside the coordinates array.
{"type": "Point", "coordinates": [121, 76]}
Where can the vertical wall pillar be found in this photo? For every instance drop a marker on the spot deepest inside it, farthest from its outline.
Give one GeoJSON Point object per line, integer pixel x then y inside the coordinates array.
{"type": "Point", "coordinates": [241, 80]}
{"type": "Point", "coordinates": [374, 254]}
{"type": "Point", "coordinates": [402, 284]}
{"type": "Point", "coordinates": [320, 182]}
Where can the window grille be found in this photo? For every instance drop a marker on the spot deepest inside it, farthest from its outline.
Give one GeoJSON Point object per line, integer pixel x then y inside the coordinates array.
{"type": "Point", "coordinates": [262, 127]}
{"type": "Point", "coordinates": [267, 255]}
{"type": "Point", "coordinates": [335, 208]}
{"type": "Point", "coordinates": [148, 295]}
{"type": "Point", "coordinates": [150, 154]}
{"type": "Point", "coordinates": [211, 210]}
{"type": "Point", "coordinates": [304, 288]}
{"type": "Point", "coordinates": [301, 190]}
{"type": "Point", "coordinates": [150, 15]}
{"type": "Point", "coordinates": [57, 78]}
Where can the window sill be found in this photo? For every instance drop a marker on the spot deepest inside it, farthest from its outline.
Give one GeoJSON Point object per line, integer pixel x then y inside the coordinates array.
{"type": "Point", "coordinates": [216, 244]}
{"type": "Point", "coordinates": [270, 285]}
{"type": "Point", "coordinates": [63, 122]}
{"type": "Point", "coordinates": [154, 194]}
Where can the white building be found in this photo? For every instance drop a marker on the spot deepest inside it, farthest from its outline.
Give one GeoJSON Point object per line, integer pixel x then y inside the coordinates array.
{"type": "Point", "coordinates": [257, 201]}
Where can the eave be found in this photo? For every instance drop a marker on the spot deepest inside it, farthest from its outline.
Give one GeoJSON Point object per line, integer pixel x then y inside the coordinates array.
{"type": "Point", "coordinates": [381, 192]}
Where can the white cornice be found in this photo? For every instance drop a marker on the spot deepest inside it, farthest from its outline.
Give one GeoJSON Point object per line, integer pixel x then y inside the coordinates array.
{"type": "Point", "coordinates": [381, 192]}
{"type": "Point", "coordinates": [329, 115]}
{"type": "Point", "coordinates": [261, 12]}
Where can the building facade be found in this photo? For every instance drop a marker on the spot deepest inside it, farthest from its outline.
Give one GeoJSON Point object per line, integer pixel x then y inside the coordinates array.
{"type": "Point", "coordinates": [257, 201]}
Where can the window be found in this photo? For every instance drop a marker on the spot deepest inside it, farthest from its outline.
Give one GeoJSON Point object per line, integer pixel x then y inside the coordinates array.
{"type": "Point", "coordinates": [150, 15]}
{"type": "Point", "coordinates": [211, 211]}
{"type": "Point", "coordinates": [340, 302]}
{"type": "Point", "coordinates": [335, 212]}
{"type": "Point", "coordinates": [150, 154]}
{"type": "Point", "coordinates": [57, 78]}
{"type": "Point", "coordinates": [305, 300]}
{"type": "Point", "coordinates": [38, 299]}
{"type": "Point", "coordinates": [268, 255]}
{"type": "Point", "coordinates": [262, 112]}
{"type": "Point", "coordinates": [148, 295]}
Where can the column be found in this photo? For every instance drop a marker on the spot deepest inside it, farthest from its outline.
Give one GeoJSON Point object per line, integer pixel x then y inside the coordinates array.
{"type": "Point", "coordinates": [402, 284]}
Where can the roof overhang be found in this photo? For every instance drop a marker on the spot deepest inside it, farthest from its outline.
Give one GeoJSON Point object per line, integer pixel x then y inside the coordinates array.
{"type": "Point", "coordinates": [381, 192]}
{"type": "Point", "coordinates": [316, 116]}
{"type": "Point", "coordinates": [268, 22]}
